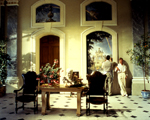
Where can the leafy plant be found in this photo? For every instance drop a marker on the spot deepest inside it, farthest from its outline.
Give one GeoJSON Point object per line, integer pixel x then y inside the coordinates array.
{"type": "Point", "coordinates": [4, 61]}
{"type": "Point", "coordinates": [140, 55]}
{"type": "Point", "coordinates": [49, 74]}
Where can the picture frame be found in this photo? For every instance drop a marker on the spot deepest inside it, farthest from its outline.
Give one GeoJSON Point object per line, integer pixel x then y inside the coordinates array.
{"type": "Point", "coordinates": [76, 74]}
{"type": "Point", "coordinates": [60, 22]}
{"type": "Point", "coordinates": [84, 12]}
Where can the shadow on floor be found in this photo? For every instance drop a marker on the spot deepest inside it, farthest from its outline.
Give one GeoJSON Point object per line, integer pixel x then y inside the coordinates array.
{"type": "Point", "coordinates": [111, 112]}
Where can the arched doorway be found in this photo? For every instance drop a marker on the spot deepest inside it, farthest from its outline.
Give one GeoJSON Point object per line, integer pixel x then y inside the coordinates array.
{"type": "Point", "coordinates": [35, 39]}
{"type": "Point", "coordinates": [85, 33]}
{"type": "Point", "coordinates": [49, 49]}
{"type": "Point", "coordinates": [99, 45]}
{"type": "Point", "coordinates": [84, 47]}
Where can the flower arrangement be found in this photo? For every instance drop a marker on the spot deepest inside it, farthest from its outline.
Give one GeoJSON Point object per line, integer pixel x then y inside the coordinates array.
{"type": "Point", "coordinates": [140, 56]}
{"type": "Point", "coordinates": [49, 74]}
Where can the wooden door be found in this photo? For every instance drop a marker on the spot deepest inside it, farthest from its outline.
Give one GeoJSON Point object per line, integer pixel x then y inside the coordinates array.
{"type": "Point", "coordinates": [49, 49]}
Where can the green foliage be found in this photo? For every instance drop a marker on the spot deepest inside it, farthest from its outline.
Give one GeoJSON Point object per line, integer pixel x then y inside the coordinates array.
{"type": "Point", "coordinates": [139, 55]}
{"type": "Point", "coordinates": [4, 61]}
{"type": "Point", "coordinates": [49, 72]}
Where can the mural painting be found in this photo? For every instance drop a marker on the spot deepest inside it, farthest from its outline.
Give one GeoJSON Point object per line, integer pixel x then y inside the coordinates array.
{"type": "Point", "coordinates": [12, 40]}
{"type": "Point", "coordinates": [99, 45]}
{"type": "Point", "coordinates": [48, 13]}
{"type": "Point", "coordinates": [98, 11]}
{"type": "Point", "coordinates": [138, 29]}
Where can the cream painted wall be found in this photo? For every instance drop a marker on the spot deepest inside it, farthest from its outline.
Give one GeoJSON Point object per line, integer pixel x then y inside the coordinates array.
{"type": "Point", "coordinates": [26, 49]}
{"type": "Point", "coordinates": [73, 32]}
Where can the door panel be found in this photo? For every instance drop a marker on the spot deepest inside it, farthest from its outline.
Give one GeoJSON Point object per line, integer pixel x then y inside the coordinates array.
{"type": "Point", "coordinates": [49, 49]}
{"type": "Point", "coordinates": [56, 52]}
{"type": "Point", "coordinates": [43, 54]}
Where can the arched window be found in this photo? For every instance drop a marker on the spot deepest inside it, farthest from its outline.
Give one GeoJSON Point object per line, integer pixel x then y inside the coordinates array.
{"type": "Point", "coordinates": [48, 13]}
{"type": "Point", "coordinates": [98, 11]}
{"type": "Point", "coordinates": [45, 12]}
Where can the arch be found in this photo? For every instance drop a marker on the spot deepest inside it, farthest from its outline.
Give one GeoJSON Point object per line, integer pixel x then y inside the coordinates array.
{"type": "Point", "coordinates": [54, 24]}
{"type": "Point", "coordinates": [36, 36]}
{"type": "Point", "coordinates": [112, 22]}
{"type": "Point", "coordinates": [83, 47]}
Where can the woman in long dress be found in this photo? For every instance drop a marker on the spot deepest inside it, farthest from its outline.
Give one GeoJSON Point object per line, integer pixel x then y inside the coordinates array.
{"type": "Point", "coordinates": [122, 76]}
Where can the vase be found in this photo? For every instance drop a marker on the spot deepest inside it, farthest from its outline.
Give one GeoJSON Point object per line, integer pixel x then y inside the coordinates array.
{"type": "Point", "coordinates": [145, 94]}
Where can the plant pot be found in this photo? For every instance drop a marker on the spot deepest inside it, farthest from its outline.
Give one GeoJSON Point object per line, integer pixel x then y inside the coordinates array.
{"type": "Point", "coordinates": [2, 90]}
{"type": "Point", "coordinates": [145, 94]}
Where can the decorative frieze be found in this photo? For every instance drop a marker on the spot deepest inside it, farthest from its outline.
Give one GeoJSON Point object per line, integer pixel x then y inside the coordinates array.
{"type": "Point", "coordinates": [9, 2]}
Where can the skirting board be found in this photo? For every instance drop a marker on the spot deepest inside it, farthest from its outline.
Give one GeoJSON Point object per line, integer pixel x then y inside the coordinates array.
{"type": "Point", "coordinates": [138, 85]}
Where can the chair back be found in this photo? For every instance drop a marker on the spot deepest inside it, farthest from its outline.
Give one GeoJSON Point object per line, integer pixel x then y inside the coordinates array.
{"type": "Point", "coordinates": [96, 83]}
{"type": "Point", "coordinates": [30, 82]}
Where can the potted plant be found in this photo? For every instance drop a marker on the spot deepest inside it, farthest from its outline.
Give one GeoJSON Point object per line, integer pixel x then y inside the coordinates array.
{"type": "Point", "coordinates": [140, 56]}
{"type": "Point", "coordinates": [4, 61]}
{"type": "Point", "coordinates": [49, 74]}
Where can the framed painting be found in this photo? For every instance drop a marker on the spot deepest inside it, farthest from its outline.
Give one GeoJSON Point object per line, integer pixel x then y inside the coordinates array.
{"type": "Point", "coordinates": [98, 11]}
{"type": "Point", "coordinates": [48, 12]}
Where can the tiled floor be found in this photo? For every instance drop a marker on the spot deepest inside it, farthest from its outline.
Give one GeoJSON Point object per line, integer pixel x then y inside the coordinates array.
{"type": "Point", "coordinates": [64, 108]}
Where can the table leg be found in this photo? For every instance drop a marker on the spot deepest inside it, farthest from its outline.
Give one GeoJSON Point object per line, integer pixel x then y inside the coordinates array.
{"type": "Point", "coordinates": [43, 103]}
{"type": "Point", "coordinates": [78, 103]}
{"type": "Point", "coordinates": [48, 101]}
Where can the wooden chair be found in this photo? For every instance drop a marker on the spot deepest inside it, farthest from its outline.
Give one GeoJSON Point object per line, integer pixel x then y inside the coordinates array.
{"type": "Point", "coordinates": [96, 93]}
{"type": "Point", "coordinates": [30, 92]}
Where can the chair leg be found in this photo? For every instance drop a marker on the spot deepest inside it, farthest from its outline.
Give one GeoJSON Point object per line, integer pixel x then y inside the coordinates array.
{"type": "Point", "coordinates": [23, 105]}
{"type": "Point", "coordinates": [37, 106]}
{"type": "Point", "coordinates": [86, 107]}
{"type": "Point", "coordinates": [37, 103]}
{"type": "Point", "coordinates": [104, 108]}
{"type": "Point", "coordinates": [34, 107]}
{"type": "Point", "coordinates": [16, 107]}
{"type": "Point", "coordinates": [107, 109]}
{"type": "Point", "coordinates": [89, 108]}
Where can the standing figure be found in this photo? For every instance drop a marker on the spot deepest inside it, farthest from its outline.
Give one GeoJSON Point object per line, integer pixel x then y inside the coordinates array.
{"type": "Point", "coordinates": [122, 76]}
{"type": "Point", "coordinates": [112, 70]}
{"type": "Point", "coordinates": [107, 67]}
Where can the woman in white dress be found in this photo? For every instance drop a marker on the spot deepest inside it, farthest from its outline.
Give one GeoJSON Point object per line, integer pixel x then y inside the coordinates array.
{"type": "Point", "coordinates": [122, 76]}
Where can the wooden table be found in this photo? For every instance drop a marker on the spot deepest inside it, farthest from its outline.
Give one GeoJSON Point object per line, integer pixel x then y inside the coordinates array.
{"type": "Point", "coordinates": [47, 90]}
